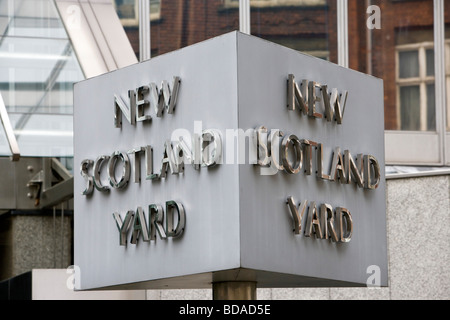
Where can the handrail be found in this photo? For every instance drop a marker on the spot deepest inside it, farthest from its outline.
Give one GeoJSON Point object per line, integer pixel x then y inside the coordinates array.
{"type": "Point", "coordinates": [9, 131]}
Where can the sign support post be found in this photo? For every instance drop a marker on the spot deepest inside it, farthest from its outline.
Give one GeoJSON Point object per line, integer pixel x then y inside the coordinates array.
{"type": "Point", "coordinates": [234, 290]}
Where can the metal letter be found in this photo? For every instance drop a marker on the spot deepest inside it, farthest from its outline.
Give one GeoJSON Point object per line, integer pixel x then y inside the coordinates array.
{"type": "Point", "coordinates": [156, 218]}
{"type": "Point", "coordinates": [297, 215]}
{"type": "Point", "coordinates": [148, 151]}
{"type": "Point", "coordinates": [139, 227]}
{"type": "Point", "coordinates": [275, 148]}
{"type": "Point", "coordinates": [336, 101]}
{"type": "Point", "coordinates": [262, 153]}
{"type": "Point", "coordinates": [128, 111]}
{"type": "Point", "coordinates": [125, 172]}
{"type": "Point", "coordinates": [142, 104]}
{"type": "Point", "coordinates": [371, 162]}
{"type": "Point", "coordinates": [326, 102]}
{"type": "Point", "coordinates": [97, 168]}
{"type": "Point", "coordinates": [177, 231]}
{"type": "Point", "coordinates": [84, 170]}
{"type": "Point", "coordinates": [296, 97]}
{"type": "Point", "coordinates": [319, 157]}
{"type": "Point", "coordinates": [337, 167]}
{"type": "Point", "coordinates": [307, 144]}
{"type": "Point", "coordinates": [312, 99]}
{"type": "Point", "coordinates": [344, 235]}
{"type": "Point", "coordinates": [313, 220]}
{"type": "Point", "coordinates": [212, 152]}
{"type": "Point", "coordinates": [123, 226]}
{"type": "Point", "coordinates": [137, 163]}
{"type": "Point", "coordinates": [164, 98]}
{"type": "Point", "coordinates": [352, 169]}
{"type": "Point", "coordinates": [327, 222]}
{"type": "Point", "coordinates": [298, 154]}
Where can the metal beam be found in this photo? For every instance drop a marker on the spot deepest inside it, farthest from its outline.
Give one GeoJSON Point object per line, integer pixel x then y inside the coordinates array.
{"type": "Point", "coordinates": [13, 146]}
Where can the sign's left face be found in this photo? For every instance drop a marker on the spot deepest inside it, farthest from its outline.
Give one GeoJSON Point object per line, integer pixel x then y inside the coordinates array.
{"type": "Point", "coordinates": [140, 212]}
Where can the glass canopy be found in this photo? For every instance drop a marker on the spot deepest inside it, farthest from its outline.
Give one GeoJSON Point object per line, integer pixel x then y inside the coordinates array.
{"type": "Point", "coordinates": [38, 68]}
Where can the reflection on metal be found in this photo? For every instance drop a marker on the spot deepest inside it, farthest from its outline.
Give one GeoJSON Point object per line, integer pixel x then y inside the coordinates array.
{"type": "Point", "coordinates": [97, 168]}
{"type": "Point", "coordinates": [234, 290]}
{"type": "Point", "coordinates": [51, 185]}
{"type": "Point", "coordinates": [157, 217]}
{"type": "Point", "coordinates": [371, 162]}
{"type": "Point", "coordinates": [345, 228]}
{"type": "Point", "coordinates": [123, 226]}
{"type": "Point", "coordinates": [181, 219]}
{"type": "Point", "coordinates": [14, 147]}
{"type": "Point", "coordinates": [298, 154]}
{"type": "Point", "coordinates": [126, 169]}
{"type": "Point", "coordinates": [84, 170]}
{"type": "Point", "coordinates": [139, 227]}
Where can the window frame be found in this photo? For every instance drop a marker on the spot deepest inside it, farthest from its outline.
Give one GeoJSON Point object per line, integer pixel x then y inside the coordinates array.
{"type": "Point", "coordinates": [425, 148]}
{"type": "Point", "coordinates": [422, 81]}
{"type": "Point", "coordinates": [401, 147]}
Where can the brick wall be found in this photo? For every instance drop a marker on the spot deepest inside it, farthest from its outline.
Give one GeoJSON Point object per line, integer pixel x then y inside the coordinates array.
{"type": "Point", "coordinates": [185, 22]}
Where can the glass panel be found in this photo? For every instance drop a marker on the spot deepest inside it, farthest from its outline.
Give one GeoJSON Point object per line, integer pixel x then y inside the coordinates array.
{"type": "Point", "coordinates": [126, 9]}
{"type": "Point", "coordinates": [41, 134]}
{"type": "Point", "coordinates": [38, 68]}
{"type": "Point", "coordinates": [395, 42]}
{"type": "Point", "coordinates": [410, 108]}
{"type": "Point", "coordinates": [431, 110]}
{"type": "Point", "coordinates": [309, 26]}
{"type": "Point", "coordinates": [430, 62]}
{"type": "Point", "coordinates": [408, 64]}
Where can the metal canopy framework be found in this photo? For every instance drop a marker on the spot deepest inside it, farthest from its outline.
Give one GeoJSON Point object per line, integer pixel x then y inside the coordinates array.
{"type": "Point", "coordinates": [97, 35]}
{"type": "Point", "coordinates": [45, 47]}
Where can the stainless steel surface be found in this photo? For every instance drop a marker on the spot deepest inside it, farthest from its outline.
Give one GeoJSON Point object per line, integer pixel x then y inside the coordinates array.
{"type": "Point", "coordinates": [101, 161]}
{"type": "Point", "coordinates": [139, 227]}
{"type": "Point", "coordinates": [298, 154]}
{"type": "Point", "coordinates": [84, 171]}
{"type": "Point", "coordinates": [126, 169]}
{"type": "Point", "coordinates": [266, 226]}
{"type": "Point", "coordinates": [10, 136]}
{"type": "Point", "coordinates": [236, 218]}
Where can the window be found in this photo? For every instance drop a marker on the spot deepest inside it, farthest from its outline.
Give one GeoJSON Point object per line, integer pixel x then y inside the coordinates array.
{"type": "Point", "coordinates": [405, 49]}
{"type": "Point", "coordinates": [415, 87]}
{"type": "Point", "coordinates": [127, 10]}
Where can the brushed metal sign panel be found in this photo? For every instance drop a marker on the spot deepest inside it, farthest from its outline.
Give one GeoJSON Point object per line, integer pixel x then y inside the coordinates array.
{"type": "Point", "coordinates": [207, 99]}
{"type": "Point", "coordinates": [267, 238]}
{"type": "Point", "coordinates": [231, 219]}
